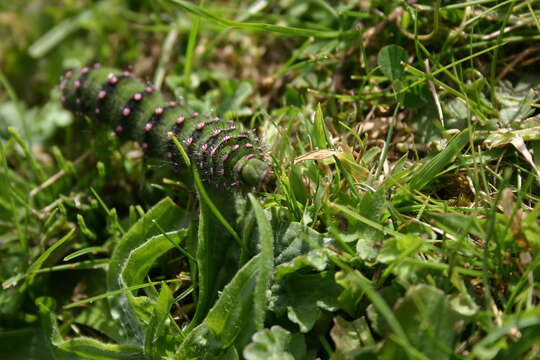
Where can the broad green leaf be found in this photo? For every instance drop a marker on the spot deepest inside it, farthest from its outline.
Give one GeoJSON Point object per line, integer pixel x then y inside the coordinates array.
{"type": "Point", "coordinates": [98, 317]}
{"type": "Point", "coordinates": [276, 343]}
{"type": "Point", "coordinates": [216, 252]}
{"type": "Point", "coordinates": [134, 256]}
{"type": "Point", "coordinates": [355, 286]}
{"type": "Point", "coordinates": [266, 266]}
{"type": "Point", "coordinates": [515, 103]}
{"type": "Point", "coordinates": [390, 60]}
{"type": "Point", "coordinates": [425, 315]}
{"type": "Point", "coordinates": [235, 305]}
{"type": "Point", "coordinates": [241, 308]}
{"type": "Point", "coordinates": [365, 238]}
{"type": "Point", "coordinates": [302, 296]}
{"type": "Point", "coordinates": [316, 259]}
{"type": "Point", "coordinates": [233, 311]}
{"type": "Point", "coordinates": [292, 239]}
{"type": "Point", "coordinates": [80, 348]}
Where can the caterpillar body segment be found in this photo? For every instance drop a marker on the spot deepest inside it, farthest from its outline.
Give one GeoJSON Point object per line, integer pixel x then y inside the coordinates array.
{"type": "Point", "coordinates": [225, 154]}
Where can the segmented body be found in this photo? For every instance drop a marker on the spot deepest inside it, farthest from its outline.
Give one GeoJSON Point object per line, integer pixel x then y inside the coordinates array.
{"type": "Point", "coordinates": [225, 154]}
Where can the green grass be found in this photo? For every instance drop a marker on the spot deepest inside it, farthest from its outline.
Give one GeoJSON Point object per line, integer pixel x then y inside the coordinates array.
{"type": "Point", "coordinates": [403, 223]}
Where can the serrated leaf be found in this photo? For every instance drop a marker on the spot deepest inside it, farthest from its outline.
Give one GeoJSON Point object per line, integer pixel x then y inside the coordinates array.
{"type": "Point", "coordinates": [302, 296]}
{"type": "Point", "coordinates": [292, 239]}
{"type": "Point", "coordinates": [316, 259]}
{"type": "Point", "coordinates": [275, 343]}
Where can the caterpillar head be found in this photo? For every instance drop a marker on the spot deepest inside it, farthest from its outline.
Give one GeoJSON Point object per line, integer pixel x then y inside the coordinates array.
{"type": "Point", "coordinates": [256, 172]}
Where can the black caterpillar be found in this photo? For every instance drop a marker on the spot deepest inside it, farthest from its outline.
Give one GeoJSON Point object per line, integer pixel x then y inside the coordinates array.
{"type": "Point", "coordinates": [225, 155]}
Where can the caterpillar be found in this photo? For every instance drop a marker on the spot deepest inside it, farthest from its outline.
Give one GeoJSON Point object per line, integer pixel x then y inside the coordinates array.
{"type": "Point", "coordinates": [225, 154]}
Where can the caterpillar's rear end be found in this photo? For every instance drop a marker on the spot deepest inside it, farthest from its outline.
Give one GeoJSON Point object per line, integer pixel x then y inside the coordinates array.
{"type": "Point", "coordinates": [225, 154]}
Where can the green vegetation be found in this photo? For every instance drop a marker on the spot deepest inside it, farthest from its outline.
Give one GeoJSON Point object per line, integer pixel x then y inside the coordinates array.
{"type": "Point", "coordinates": [404, 218]}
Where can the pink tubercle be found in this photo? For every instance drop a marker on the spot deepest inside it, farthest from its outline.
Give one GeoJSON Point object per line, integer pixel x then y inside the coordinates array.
{"type": "Point", "coordinates": [102, 94]}
{"type": "Point", "coordinates": [188, 141]}
{"type": "Point", "coordinates": [148, 126]}
{"type": "Point", "coordinates": [144, 146]}
{"type": "Point", "coordinates": [62, 85]}
{"type": "Point", "coordinates": [68, 74]}
{"type": "Point", "coordinates": [226, 138]}
{"type": "Point", "coordinates": [169, 155]}
{"type": "Point", "coordinates": [221, 172]}
{"type": "Point", "coordinates": [216, 119]}
{"type": "Point", "coordinates": [235, 147]}
{"type": "Point", "coordinates": [77, 84]}
{"type": "Point", "coordinates": [180, 120]}
{"type": "Point", "coordinates": [216, 132]}
{"type": "Point", "coordinates": [201, 165]}
{"type": "Point", "coordinates": [158, 111]}
{"type": "Point", "coordinates": [78, 101]}
{"type": "Point", "coordinates": [236, 183]}
{"type": "Point", "coordinates": [173, 103]}
{"type": "Point", "coordinates": [250, 156]}
{"type": "Point", "coordinates": [248, 146]}
{"type": "Point", "coordinates": [201, 125]}
{"type": "Point", "coordinates": [195, 114]}
{"type": "Point", "coordinates": [237, 168]}
{"type": "Point", "coordinates": [204, 147]}
{"type": "Point", "coordinates": [224, 157]}
{"type": "Point", "coordinates": [149, 89]}
{"type": "Point", "coordinates": [98, 110]}
{"type": "Point", "coordinates": [126, 111]}
{"type": "Point", "coordinates": [85, 70]}
{"type": "Point", "coordinates": [137, 97]}
{"type": "Point", "coordinates": [213, 152]}
{"type": "Point", "coordinates": [119, 129]}
{"type": "Point", "coordinates": [127, 74]}
{"type": "Point", "coordinates": [97, 65]}
{"type": "Point", "coordinates": [112, 79]}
